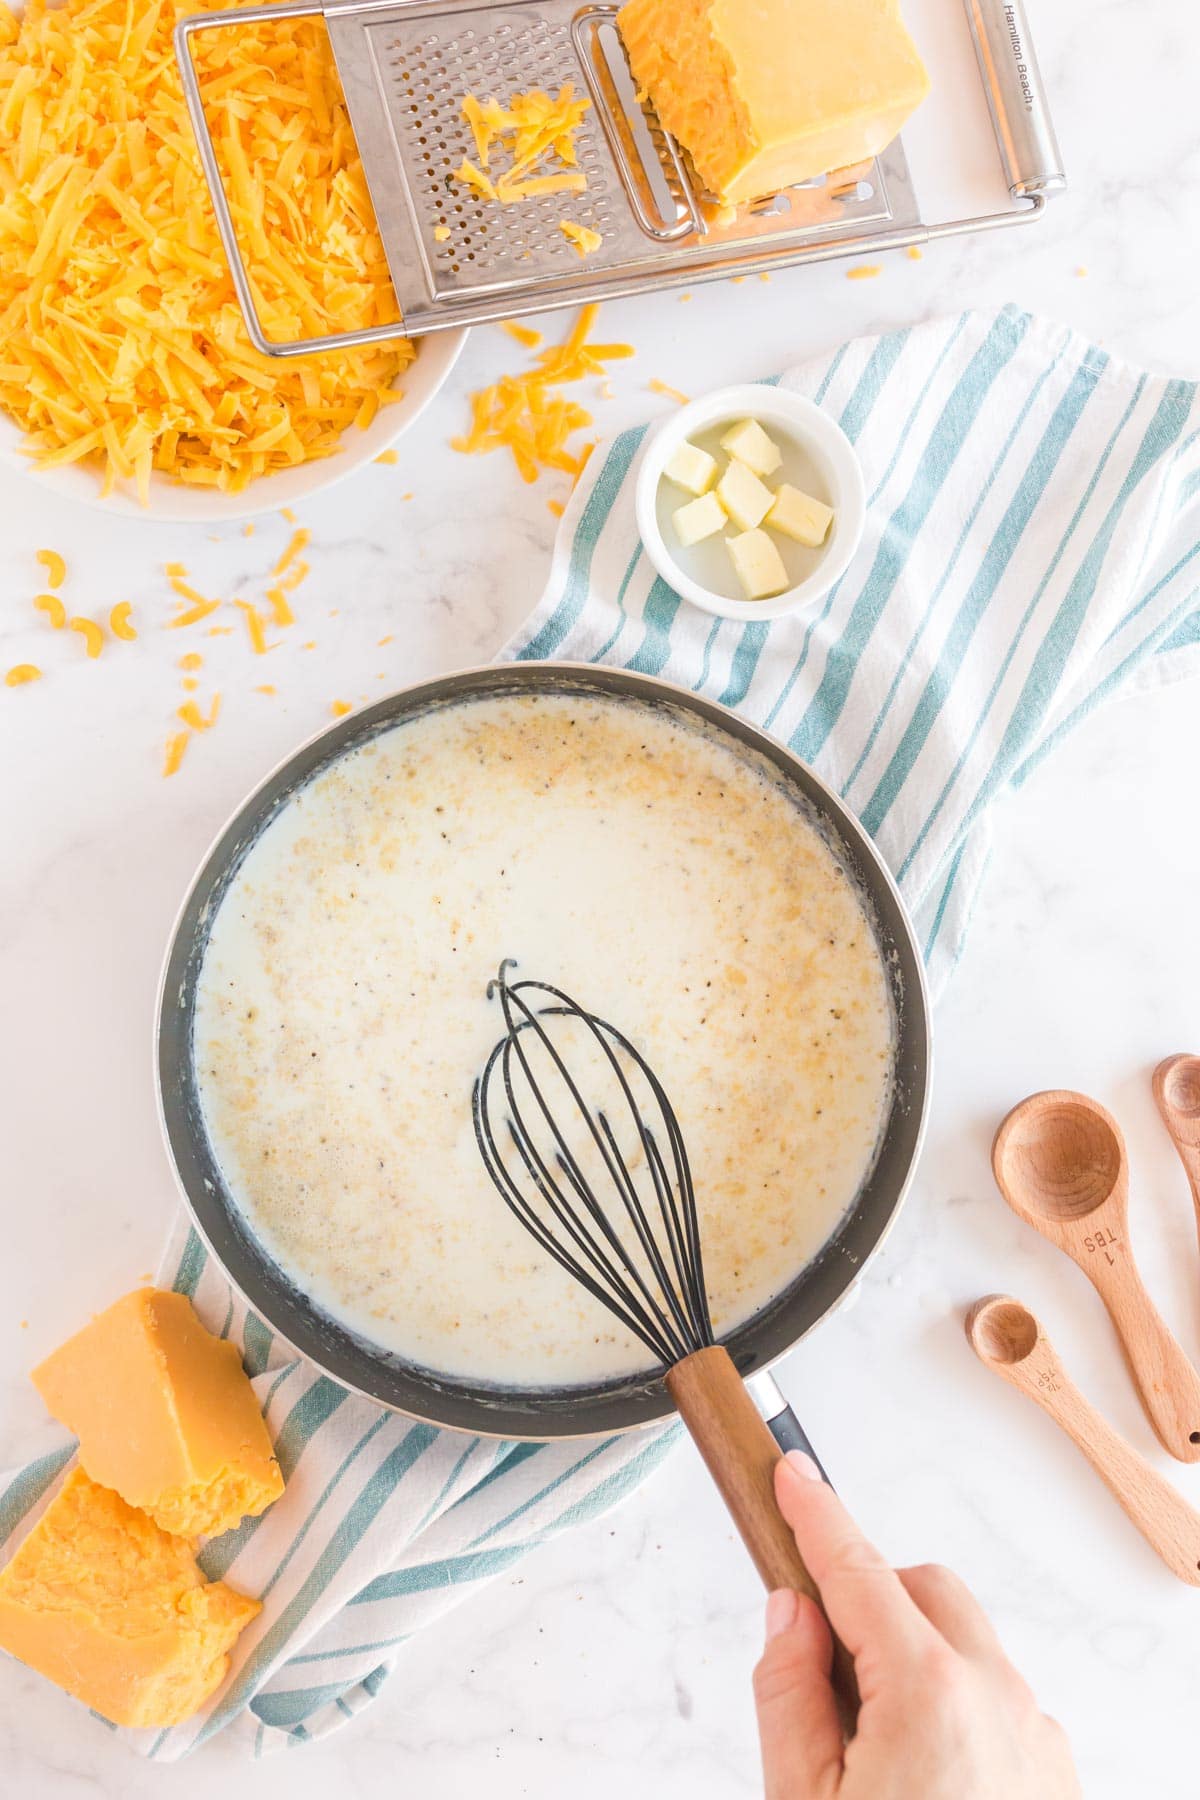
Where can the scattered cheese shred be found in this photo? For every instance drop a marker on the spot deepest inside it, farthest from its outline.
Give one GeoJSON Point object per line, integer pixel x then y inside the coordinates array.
{"type": "Point", "coordinates": [174, 568]}
{"type": "Point", "coordinates": [864, 272]}
{"type": "Point", "coordinates": [383, 641]}
{"type": "Point", "coordinates": [441, 234]}
{"type": "Point", "coordinates": [667, 391]}
{"type": "Point", "coordinates": [176, 745]}
{"type": "Point", "coordinates": [388, 456]}
{"type": "Point", "coordinates": [340, 708]}
{"type": "Point", "coordinates": [194, 614]}
{"type": "Point", "coordinates": [300, 541]}
{"type": "Point", "coordinates": [914, 253]}
{"type": "Point", "coordinates": [183, 589]}
{"type": "Point", "coordinates": [254, 625]}
{"type": "Point", "coordinates": [248, 528]}
{"type": "Point", "coordinates": [55, 567]}
{"type": "Point", "coordinates": [193, 660]}
{"type": "Point", "coordinates": [21, 673]}
{"type": "Point", "coordinates": [556, 507]}
{"type": "Point", "coordinates": [281, 612]}
{"type": "Point", "coordinates": [189, 684]}
{"type": "Point", "coordinates": [120, 622]}
{"type": "Point", "coordinates": [582, 237]}
{"type": "Point", "coordinates": [294, 577]}
{"type": "Point", "coordinates": [191, 715]}
{"type": "Point", "coordinates": [90, 632]}
{"type": "Point", "coordinates": [526, 415]}
{"type": "Point", "coordinates": [285, 512]}
{"type": "Point", "coordinates": [266, 689]}
{"type": "Point", "coordinates": [123, 345]}
{"type": "Point", "coordinates": [524, 334]}
{"type": "Point", "coordinates": [537, 134]}
{"type": "Point", "coordinates": [52, 606]}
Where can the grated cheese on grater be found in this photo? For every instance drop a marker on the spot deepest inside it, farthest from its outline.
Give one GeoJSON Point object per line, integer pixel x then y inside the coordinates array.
{"type": "Point", "coordinates": [122, 343]}
{"type": "Point", "coordinates": [536, 133]}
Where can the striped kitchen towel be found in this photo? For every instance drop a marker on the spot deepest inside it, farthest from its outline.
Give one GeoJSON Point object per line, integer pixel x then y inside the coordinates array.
{"type": "Point", "coordinates": [1033, 545]}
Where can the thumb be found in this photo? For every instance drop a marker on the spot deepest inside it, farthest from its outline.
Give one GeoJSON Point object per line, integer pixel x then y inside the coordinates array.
{"type": "Point", "coordinates": [797, 1714]}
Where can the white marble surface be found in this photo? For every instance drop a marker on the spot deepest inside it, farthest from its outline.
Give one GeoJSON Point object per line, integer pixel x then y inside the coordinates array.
{"type": "Point", "coordinates": [618, 1660]}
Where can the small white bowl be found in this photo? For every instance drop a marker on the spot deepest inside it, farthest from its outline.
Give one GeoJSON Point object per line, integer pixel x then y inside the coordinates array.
{"type": "Point", "coordinates": [173, 502]}
{"type": "Point", "coordinates": [794, 418]}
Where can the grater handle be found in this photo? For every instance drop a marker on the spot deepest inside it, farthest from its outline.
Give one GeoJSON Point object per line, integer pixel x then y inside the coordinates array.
{"type": "Point", "coordinates": [1012, 80]}
{"type": "Point", "coordinates": [231, 20]}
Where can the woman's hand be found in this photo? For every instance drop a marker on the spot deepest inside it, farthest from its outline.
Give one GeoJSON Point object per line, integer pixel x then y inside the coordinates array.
{"type": "Point", "coordinates": [945, 1716]}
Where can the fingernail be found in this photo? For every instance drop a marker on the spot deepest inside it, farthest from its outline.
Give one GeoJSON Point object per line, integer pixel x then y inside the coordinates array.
{"type": "Point", "coordinates": [803, 1464]}
{"type": "Point", "coordinates": [782, 1607]}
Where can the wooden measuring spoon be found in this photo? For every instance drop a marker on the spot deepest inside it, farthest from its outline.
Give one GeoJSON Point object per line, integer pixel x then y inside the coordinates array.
{"type": "Point", "coordinates": [1008, 1338]}
{"type": "Point", "coordinates": [1176, 1086]}
{"type": "Point", "coordinates": [1059, 1160]}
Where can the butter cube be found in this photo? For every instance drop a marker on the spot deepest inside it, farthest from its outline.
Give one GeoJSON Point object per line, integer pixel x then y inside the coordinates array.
{"type": "Point", "coordinates": [698, 519]}
{"type": "Point", "coordinates": [743, 496]}
{"type": "Point", "coordinates": [749, 443]}
{"type": "Point", "coordinates": [758, 564]}
{"type": "Point", "coordinates": [693, 469]}
{"type": "Point", "coordinates": [115, 1611]}
{"type": "Point", "coordinates": [769, 94]}
{"type": "Point", "coordinates": [164, 1414]}
{"type": "Point", "coordinates": [799, 516]}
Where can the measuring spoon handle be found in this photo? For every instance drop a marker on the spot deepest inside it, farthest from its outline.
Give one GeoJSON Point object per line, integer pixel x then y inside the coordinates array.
{"type": "Point", "coordinates": [1167, 1522]}
{"type": "Point", "coordinates": [1167, 1384]}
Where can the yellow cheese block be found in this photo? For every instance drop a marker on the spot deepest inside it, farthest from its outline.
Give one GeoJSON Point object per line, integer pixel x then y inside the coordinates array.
{"type": "Point", "coordinates": [765, 93]}
{"type": "Point", "coordinates": [164, 1414]}
{"type": "Point", "coordinates": [115, 1611]}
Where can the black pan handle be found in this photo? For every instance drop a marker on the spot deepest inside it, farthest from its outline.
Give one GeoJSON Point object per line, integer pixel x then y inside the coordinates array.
{"type": "Point", "coordinates": [781, 1421]}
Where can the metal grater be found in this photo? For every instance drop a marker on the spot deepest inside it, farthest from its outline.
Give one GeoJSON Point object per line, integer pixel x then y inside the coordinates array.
{"type": "Point", "coordinates": [405, 66]}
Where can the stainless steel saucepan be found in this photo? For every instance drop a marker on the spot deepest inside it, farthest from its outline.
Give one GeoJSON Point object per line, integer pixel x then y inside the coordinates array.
{"type": "Point", "coordinates": [477, 1407]}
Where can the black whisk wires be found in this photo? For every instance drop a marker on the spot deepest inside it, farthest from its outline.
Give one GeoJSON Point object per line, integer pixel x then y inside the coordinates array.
{"type": "Point", "coordinates": [635, 1248]}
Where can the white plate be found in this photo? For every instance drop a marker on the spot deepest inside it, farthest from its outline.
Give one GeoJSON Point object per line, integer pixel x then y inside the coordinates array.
{"type": "Point", "coordinates": [807, 426]}
{"type": "Point", "coordinates": [173, 502]}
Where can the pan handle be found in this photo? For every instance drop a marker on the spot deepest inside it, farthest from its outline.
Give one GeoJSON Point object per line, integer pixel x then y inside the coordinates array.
{"type": "Point", "coordinates": [781, 1421]}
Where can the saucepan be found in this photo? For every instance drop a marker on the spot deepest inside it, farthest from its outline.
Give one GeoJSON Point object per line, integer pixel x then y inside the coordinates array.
{"type": "Point", "coordinates": [550, 1412]}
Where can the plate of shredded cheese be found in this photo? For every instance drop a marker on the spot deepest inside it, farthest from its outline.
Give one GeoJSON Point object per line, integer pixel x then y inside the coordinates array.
{"type": "Point", "coordinates": [126, 375]}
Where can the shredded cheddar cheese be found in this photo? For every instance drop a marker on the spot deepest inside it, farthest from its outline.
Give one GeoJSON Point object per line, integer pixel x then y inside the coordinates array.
{"type": "Point", "coordinates": [266, 689]}
{"type": "Point", "coordinates": [581, 237]}
{"type": "Point", "coordinates": [254, 625]}
{"type": "Point", "coordinates": [22, 673]}
{"type": "Point", "coordinates": [90, 632]}
{"type": "Point", "coordinates": [120, 622]}
{"type": "Point", "coordinates": [176, 745]}
{"type": "Point", "coordinates": [524, 334]}
{"type": "Point", "coordinates": [340, 708]}
{"type": "Point", "coordinates": [191, 715]}
{"type": "Point", "coordinates": [536, 133]}
{"type": "Point", "coordinates": [864, 272]}
{"type": "Point", "coordinates": [55, 567]}
{"type": "Point", "coordinates": [193, 615]}
{"type": "Point", "coordinates": [122, 344]}
{"type": "Point", "coordinates": [299, 541]}
{"type": "Point", "coordinates": [388, 456]}
{"type": "Point", "coordinates": [281, 612]}
{"type": "Point", "coordinates": [668, 392]}
{"type": "Point", "coordinates": [526, 415]}
{"type": "Point", "coordinates": [52, 606]}
{"type": "Point", "coordinates": [193, 660]}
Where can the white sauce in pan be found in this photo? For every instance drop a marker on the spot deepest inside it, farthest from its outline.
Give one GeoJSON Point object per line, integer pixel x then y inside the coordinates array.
{"type": "Point", "coordinates": [629, 857]}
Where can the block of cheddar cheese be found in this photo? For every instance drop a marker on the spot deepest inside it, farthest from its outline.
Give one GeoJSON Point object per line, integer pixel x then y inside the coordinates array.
{"type": "Point", "coordinates": [164, 1413]}
{"type": "Point", "coordinates": [765, 93]}
{"type": "Point", "coordinates": [115, 1611]}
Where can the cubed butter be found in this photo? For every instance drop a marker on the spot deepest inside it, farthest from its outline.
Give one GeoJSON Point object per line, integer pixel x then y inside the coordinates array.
{"type": "Point", "coordinates": [115, 1611]}
{"type": "Point", "coordinates": [164, 1414]}
{"type": "Point", "coordinates": [765, 93]}
{"type": "Point", "coordinates": [743, 496]}
{"type": "Point", "coordinates": [692, 468]}
{"type": "Point", "coordinates": [698, 519]}
{"type": "Point", "coordinates": [758, 564]}
{"type": "Point", "coordinates": [799, 516]}
{"type": "Point", "coordinates": [749, 443]}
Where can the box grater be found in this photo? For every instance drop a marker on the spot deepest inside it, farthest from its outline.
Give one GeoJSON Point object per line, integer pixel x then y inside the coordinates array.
{"type": "Point", "coordinates": [406, 65]}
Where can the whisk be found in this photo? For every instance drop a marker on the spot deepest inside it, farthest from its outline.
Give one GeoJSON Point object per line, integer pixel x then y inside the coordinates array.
{"type": "Point", "coordinates": [581, 1140]}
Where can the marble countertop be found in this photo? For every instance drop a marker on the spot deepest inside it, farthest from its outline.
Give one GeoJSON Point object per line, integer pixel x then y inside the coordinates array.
{"type": "Point", "coordinates": [619, 1658]}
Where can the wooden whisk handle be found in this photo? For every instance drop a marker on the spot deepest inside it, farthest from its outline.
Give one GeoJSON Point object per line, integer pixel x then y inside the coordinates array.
{"type": "Point", "coordinates": [740, 1454]}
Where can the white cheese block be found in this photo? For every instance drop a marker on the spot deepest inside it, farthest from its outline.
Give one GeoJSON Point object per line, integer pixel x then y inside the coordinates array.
{"type": "Point", "coordinates": [743, 496]}
{"type": "Point", "coordinates": [799, 516]}
{"type": "Point", "coordinates": [749, 443]}
{"type": "Point", "coordinates": [692, 468]}
{"type": "Point", "coordinates": [758, 564]}
{"type": "Point", "coordinates": [698, 519]}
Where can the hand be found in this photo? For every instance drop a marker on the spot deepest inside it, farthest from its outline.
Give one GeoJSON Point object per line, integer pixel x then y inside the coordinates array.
{"type": "Point", "coordinates": [945, 1716]}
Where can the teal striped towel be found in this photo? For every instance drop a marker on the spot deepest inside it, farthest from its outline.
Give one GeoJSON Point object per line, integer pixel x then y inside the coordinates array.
{"type": "Point", "coordinates": [1033, 545]}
